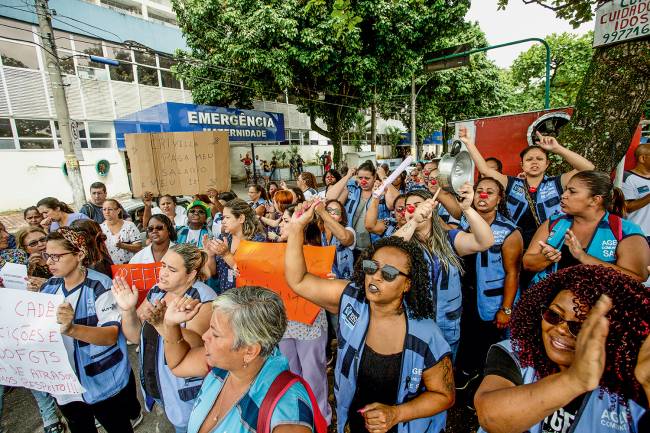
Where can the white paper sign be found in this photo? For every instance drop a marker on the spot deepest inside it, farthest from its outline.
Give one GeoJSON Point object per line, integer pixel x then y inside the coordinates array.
{"type": "Point", "coordinates": [32, 354]}
{"type": "Point", "coordinates": [13, 276]}
{"type": "Point", "coordinates": [621, 20]}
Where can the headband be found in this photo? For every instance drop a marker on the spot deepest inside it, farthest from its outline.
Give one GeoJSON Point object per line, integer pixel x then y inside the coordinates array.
{"type": "Point", "coordinates": [77, 240]}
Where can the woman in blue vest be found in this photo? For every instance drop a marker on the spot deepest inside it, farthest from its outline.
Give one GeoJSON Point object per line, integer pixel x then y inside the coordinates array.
{"type": "Point", "coordinates": [490, 282]}
{"type": "Point", "coordinates": [577, 339]}
{"type": "Point", "coordinates": [90, 329]}
{"type": "Point", "coordinates": [590, 232]}
{"type": "Point", "coordinates": [258, 199]}
{"type": "Point", "coordinates": [239, 223]}
{"type": "Point", "coordinates": [387, 226]}
{"type": "Point", "coordinates": [393, 369]}
{"type": "Point", "coordinates": [179, 276]}
{"type": "Point", "coordinates": [198, 214]}
{"type": "Point", "coordinates": [533, 199]}
{"type": "Point", "coordinates": [240, 361]}
{"type": "Point", "coordinates": [442, 249]}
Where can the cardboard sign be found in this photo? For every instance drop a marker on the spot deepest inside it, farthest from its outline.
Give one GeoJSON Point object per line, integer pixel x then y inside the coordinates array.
{"type": "Point", "coordinates": [142, 276]}
{"type": "Point", "coordinates": [179, 163]}
{"type": "Point", "coordinates": [14, 276]}
{"type": "Point", "coordinates": [262, 264]}
{"type": "Point", "coordinates": [32, 354]}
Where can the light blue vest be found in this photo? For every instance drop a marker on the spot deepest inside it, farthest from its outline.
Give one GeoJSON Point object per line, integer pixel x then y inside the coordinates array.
{"type": "Point", "coordinates": [603, 244]}
{"type": "Point", "coordinates": [177, 394]}
{"type": "Point", "coordinates": [293, 408]}
{"type": "Point", "coordinates": [490, 275]}
{"type": "Point", "coordinates": [185, 230]}
{"type": "Point", "coordinates": [600, 413]}
{"type": "Point", "coordinates": [424, 347]}
{"type": "Point", "coordinates": [344, 259]}
{"type": "Point", "coordinates": [391, 227]}
{"type": "Point", "coordinates": [352, 203]}
{"type": "Point", "coordinates": [548, 197]}
{"type": "Point", "coordinates": [102, 370]}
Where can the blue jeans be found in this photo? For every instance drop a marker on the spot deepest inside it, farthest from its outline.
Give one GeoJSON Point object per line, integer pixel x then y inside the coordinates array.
{"type": "Point", "coordinates": [46, 406]}
{"type": "Point", "coordinates": [177, 429]}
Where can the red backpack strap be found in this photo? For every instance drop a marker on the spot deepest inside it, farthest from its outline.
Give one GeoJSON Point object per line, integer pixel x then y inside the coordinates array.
{"type": "Point", "coordinates": [278, 388]}
{"type": "Point", "coordinates": [616, 226]}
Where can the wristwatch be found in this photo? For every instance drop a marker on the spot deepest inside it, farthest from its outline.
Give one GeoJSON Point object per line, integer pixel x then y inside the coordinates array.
{"type": "Point", "coordinates": [506, 310]}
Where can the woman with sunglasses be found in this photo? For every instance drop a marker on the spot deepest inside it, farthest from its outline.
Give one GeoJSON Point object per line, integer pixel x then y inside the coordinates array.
{"type": "Point", "coordinates": [442, 249]}
{"type": "Point", "coordinates": [393, 369]}
{"type": "Point", "coordinates": [122, 237]}
{"type": "Point", "coordinates": [32, 240]}
{"type": "Point", "coordinates": [162, 235]}
{"type": "Point", "coordinates": [258, 199]}
{"type": "Point", "coordinates": [90, 328]}
{"type": "Point", "coordinates": [591, 232]}
{"type": "Point", "coordinates": [198, 213]}
{"type": "Point", "coordinates": [577, 344]}
{"type": "Point", "coordinates": [490, 282]}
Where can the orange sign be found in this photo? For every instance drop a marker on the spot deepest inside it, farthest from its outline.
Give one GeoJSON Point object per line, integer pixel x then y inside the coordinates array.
{"type": "Point", "coordinates": [262, 264]}
{"type": "Point", "coordinates": [142, 276]}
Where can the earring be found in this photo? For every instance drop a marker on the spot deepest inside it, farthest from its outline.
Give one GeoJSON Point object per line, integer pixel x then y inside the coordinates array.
{"type": "Point", "coordinates": [245, 364]}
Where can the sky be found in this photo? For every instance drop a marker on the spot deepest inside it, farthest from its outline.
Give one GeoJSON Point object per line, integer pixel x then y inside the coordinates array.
{"type": "Point", "coordinates": [517, 21]}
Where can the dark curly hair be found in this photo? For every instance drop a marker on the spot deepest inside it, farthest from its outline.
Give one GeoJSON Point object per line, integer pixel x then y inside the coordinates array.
{"type": "Point", "coordinates": [419, 303]}
{"type": "Point", "coordinates": [628, 322]}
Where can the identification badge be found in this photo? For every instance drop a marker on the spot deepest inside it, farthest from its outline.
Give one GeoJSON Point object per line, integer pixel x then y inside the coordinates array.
{"type": "Point", "coordinates": [231, 276]}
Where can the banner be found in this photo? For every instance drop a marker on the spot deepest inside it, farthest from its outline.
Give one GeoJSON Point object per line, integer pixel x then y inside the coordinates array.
{"type": "Point", "coordinates": [262, 264]}
{"type": "Point", "coordinates": [142, 276]}
{"type": "Point", "coordinates": [32, 354]}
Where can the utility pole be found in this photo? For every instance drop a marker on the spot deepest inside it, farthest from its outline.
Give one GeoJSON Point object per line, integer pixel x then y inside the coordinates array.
{"type": "Point", "coordinates": [60, 103]}
{"type": "Point", "coordinates": [414, 140]}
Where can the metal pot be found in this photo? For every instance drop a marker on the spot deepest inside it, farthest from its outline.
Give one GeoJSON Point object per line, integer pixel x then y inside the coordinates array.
{"type": "Point", "coordinates": [455, 169]}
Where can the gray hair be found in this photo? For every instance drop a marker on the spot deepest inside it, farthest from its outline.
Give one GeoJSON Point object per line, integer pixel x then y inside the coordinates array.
{"type": "Point", "coordinates": [256, 314]}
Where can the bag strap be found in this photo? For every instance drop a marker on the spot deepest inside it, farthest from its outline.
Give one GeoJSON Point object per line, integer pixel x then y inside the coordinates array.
{"type": "Point", "coordinates": [616, 225]}
{"type": "Point", "coordinates": [278, 388]}
{"type": "Point", "coordinates": [531, 204]}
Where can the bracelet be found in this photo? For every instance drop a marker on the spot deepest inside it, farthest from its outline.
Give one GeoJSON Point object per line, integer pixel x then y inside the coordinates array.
{"type": "Point", "coordinates": [173, 342]}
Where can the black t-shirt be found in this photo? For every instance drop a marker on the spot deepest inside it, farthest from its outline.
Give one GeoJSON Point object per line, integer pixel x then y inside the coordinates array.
{"type": "Point", "coordinates": [500, 363]}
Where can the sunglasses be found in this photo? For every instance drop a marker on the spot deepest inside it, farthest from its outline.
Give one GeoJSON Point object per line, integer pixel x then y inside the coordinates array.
{"type": "Point", "coordinates": [333, 211]}
{"type": "Point", "coordinates": [388, 272]}
{"type": "Point", "coordinates": [35, 242]}
{"type": "Point", "coordinates": [553, 318]}
{"type": "Point", "coordinates": [155, 228]}
{"type": "Point", "coordinates": [55, 257]}
{"type": "Point", "coordinates": [196, 211]}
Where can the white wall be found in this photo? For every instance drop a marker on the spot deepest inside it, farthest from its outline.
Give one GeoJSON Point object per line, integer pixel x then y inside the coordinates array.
{"type": "Point", "coordinates": [27, 176]}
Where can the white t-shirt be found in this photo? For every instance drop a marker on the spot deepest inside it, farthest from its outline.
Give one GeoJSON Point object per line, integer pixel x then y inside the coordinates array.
{"type": "Point", "coordinates": [144, 256]}
{"type": "Point", "coordinates": [129, 233]}
{"type": "Point", "coordinates": [180, 219]}
{"type": "Point", "coordinates": [635, 187]}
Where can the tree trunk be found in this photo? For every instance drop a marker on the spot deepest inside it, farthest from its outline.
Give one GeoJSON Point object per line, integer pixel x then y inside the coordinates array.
{"type": "Point", "coordinates": [373, 125]}
{"type": "Point", "coordinates": [334, 134]}
{"type": "Point", "coordinates": [610, 103]}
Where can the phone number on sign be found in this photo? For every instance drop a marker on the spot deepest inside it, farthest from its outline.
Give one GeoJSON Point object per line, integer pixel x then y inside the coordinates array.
{"type": "Point", "coordinates": [620, 35]}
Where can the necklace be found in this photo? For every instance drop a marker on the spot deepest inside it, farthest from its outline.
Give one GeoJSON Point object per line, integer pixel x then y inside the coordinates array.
{"type": "Point", "coordinates": [216, 418]}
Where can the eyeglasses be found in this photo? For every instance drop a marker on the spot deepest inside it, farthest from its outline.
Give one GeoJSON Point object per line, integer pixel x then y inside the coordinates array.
{"type": "Point", "coordinates": [553, 318]}
{"type": "Point", "coordinates": [155, 228]}
{"type": "Point", "coordinates": [109, 209]}
{"type": "Point", "coordinates": [35, 242]}
{"type": "Point", "coordinates": [333, 211]}
{"type": "Point", "coordinates": [388, 272]}
{"type": "Point", "coordinates": [196, 211]}
{"type": "Point", "coordinates": [55, 257]}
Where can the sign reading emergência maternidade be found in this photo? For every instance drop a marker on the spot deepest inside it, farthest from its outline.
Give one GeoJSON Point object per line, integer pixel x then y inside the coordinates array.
{"type": "Point", "coordinates": [622, 20]}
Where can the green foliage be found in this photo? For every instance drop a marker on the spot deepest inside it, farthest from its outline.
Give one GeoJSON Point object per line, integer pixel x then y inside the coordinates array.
{"type": "Point", "coordinates": [570, 58]}
{"type": "Point", "coordinates": [574, 11]}
{"type": "Point", "coordinates": [280, 156]}
{"type": "Point", "coordinates": [393, 138]}
{"type": "Point", "coordinates": [331, 55]}
{"type": "Point", "coordinates": [359, 131]}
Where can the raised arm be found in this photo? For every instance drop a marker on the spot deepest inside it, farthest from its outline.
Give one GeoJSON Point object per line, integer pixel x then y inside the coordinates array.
{"type": "Point", "coordinates": [478, 159]}
{"type": "Point", "coordinates": [372, 223]}
{"type": "Point", "coordinates": [578, 162]}
{"type": "Point", "coordinates": [338, 231]}
{"type": "Point", "coordinates": [126, 299]}
{"type": "Point", "coordinates": [481, 237]}
{"type": "Point", "coordinates": [337, 190]}
{"type": "Point", "coordinates": [320, 291]}
{"type": "Point", "coordinates": [147, 199]}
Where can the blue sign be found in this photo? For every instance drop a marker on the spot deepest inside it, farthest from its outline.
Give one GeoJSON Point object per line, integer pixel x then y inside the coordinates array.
{"type": "Point", "coordinates": [242, 125]}
{"type": "Point", "coordinates": [435, 138]}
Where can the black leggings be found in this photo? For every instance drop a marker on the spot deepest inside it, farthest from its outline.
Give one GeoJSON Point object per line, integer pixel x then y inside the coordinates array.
{"type": "Point", "coordinates": [110, 413]}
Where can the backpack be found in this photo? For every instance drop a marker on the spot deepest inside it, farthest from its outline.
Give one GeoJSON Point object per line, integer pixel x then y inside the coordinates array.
{"type": "Point", "coordinates": [278, 388]}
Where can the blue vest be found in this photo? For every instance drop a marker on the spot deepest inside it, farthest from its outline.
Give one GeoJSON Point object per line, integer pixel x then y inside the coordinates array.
{"type": "Point", "coordinates": [601, 412]}
{"type": "Point", "coordinates": [344, 259]}
{"type": "Point", "coordinates": [548, 197]}
{"type": "Point", "coordinates": [446, 216]}
{"type": "Point", "coordinates": [391, 227]}
{"type": "Point", "coordinates": [603, 244]}
{"type": "Point", "coordinates": [293, 408]}
{"type": "Point", "coordinates": [490, 275]}
{"type": "Point", "coordinates": [255, 204]}
{"type": "Point", "coordinates": [352, 203]}
{"type": "Point", "coordinates": [102, 370]}
{"type": "Point", "coordinates": [177, 394]}
{"type": "Point", "coordinates": [185, 230]}
{"type": "Point", "coordinates": [424, 347]}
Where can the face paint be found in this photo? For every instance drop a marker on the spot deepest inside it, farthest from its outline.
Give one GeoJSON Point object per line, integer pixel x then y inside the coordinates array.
{"type": "Point", "coordinates": [483, 195]}
{"type": "Point", "coordinates": [410, 208]}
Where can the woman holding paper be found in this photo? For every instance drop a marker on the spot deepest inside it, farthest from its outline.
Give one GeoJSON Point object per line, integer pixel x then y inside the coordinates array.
{"type": "Point", "coordinates": [180, 275]}
{"type": "Point", "coordinates": [91, 334]}
{"type": "Point", "coordinates": [393, 369]}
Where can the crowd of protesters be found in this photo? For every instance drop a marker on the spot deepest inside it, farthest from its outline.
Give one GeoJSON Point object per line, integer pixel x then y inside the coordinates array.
{"type": "Point", "coordinates": [522, 297]}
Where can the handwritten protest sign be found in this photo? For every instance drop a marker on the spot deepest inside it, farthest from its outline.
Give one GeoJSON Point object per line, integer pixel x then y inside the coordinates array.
{"type": "Point", "coordinates": [179, 162]}
{"type": "Point", "coordinates": [14, 276]}
{"type": "Point", "coordinates": [142, 276]}
{"type": "Point", "coordinates": [262, 264]}
{"type": "Point", "coordinates": [32, 354]}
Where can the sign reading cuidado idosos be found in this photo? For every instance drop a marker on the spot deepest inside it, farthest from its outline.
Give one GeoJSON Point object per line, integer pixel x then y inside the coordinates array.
{"type": "Point", "coordinates": [32, 354]}
{"type": "Point", "coordinates": [622, 20]}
